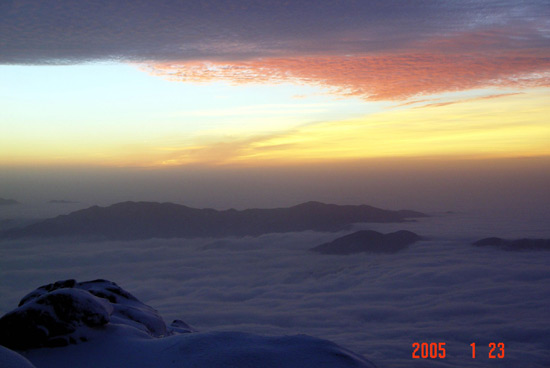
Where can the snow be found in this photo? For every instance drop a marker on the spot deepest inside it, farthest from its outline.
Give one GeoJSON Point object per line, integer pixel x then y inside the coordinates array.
{"type": "Point", "coordinates": [53, 319]}
{"type": "Point", "coordinates": [119, 347]}
{"type": "Point", "coordinates": [98, 324]}
{"type": "Point", "coordinates": [61, 313]}
{"type": "Point", "coordinates": [11, 359]}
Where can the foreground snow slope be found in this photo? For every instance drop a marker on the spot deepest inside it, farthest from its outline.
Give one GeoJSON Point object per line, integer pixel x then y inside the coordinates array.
{"type": "Point", "coordinates": [98, 324]}
{"type": "Point", "coordinates": [122, 347]}
{"type": "Point", "coordinates": [11, 359]}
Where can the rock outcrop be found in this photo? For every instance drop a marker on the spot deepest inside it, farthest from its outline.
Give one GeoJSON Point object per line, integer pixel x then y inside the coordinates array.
{"type": "Point", "coordinates": [111, 328]}
{"type": "Point", "coordinates": [63, 313]}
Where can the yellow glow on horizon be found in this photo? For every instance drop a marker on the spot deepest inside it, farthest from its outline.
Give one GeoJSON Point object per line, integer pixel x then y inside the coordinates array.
{"type": "Point", "coordinates": [509, 125]}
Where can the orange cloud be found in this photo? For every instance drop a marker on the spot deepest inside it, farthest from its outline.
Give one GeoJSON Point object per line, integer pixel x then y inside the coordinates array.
{"type": "Point", "coordinates": [446, 103]}
{"type": "Point", "coordinates": [377, 77]}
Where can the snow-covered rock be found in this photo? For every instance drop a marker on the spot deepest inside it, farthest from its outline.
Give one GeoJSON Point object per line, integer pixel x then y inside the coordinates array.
{"type": "Point", "coordinates": [98, 324]}
{"type": "Point", "coordinates": [11, 359]}
{"type": "Point", "coordinates": [63, 313]}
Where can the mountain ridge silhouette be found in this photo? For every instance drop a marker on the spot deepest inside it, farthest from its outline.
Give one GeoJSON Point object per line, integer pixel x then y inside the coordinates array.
{"type": "Point", "coordinates": [144, 220]}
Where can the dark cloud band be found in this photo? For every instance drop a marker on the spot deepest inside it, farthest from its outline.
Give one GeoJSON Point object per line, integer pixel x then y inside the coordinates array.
{"type": "Point", "coordinates": [63, 31]}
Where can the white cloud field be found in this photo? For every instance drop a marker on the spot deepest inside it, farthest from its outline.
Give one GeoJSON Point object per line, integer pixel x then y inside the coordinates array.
{"type": "Point", "coordinates": [441, 289]}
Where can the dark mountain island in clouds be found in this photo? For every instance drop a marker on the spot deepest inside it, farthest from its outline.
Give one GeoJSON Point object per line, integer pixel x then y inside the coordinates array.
{"type": "Point", "coordinates": [7, 202]}
{"type": "Point", "coordinates": [368, 241]}
{"type": "Point", "coordinates": [144, 220]}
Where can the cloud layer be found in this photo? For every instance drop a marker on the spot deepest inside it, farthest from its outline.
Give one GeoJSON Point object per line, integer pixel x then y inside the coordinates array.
{"type": "Point", "coordinates": [64, 31]}
{"type": "Point", "coordinates": [439, 290]}
{"type": "Point", "coordinates": [376, 50]}
{"type": "Point", "coordinates": [392, 50]}
{"type": "Point", "coordinates": [381, 77]}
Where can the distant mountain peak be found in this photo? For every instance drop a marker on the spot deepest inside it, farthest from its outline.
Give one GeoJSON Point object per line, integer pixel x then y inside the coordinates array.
{"type": "Point", "coordinates": [7, 202]}
{"type": "Point", "coordinates": [368, 241]}
{"type": "Point", "coordinates": [311, 204]}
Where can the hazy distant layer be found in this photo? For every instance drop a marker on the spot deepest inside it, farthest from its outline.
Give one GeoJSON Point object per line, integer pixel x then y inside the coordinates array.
{"type": "Point", "coordinates": [441, 290]}
{"type": "Point", "coordinates": [511, 185]}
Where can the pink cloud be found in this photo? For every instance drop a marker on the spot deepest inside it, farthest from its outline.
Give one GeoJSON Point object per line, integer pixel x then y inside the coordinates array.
{"type": "Point", "coordinates": [495, 57]}
{"type": "Point", "coordinates": [446, 103]}
{"type": "Point", "coordinates": [378, 77]}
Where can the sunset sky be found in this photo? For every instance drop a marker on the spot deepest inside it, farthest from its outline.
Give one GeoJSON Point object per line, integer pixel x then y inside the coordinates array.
{"type": "Point", "coordinates": [220, 85]}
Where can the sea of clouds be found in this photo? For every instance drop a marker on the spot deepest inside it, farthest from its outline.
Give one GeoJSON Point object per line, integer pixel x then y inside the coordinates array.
{"type": "Point", "coordinates": [440, 289]}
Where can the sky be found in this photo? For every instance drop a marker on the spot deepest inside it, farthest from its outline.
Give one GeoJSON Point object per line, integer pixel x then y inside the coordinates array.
{"type": "Point", "coordinates": [428, 105]}
{"type": "Point", "coordinates": [219, 90]}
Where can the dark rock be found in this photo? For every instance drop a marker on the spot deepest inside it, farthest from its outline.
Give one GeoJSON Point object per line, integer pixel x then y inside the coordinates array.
{"type": "Point", "coordinates": [44, 289]}
{"type": "Point", "coordinates": [49, 319]}
{"type": "Point", "coordinates": [107, 290]}
{"type": "Point", "coordinates": [368, 241]}
{"type": "Point", "coordinates": [63, 313]}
